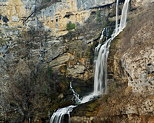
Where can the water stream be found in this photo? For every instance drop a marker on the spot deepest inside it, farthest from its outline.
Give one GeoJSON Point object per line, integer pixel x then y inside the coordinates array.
{"type": "Point", "coordinates": [100, 77]}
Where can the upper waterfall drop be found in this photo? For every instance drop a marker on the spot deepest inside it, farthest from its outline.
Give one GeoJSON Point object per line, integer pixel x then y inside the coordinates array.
{"type": "Point", "coordinates": [124, 14]}
{"type": "Point", "coordinates": [117, 13]}
{"type": "Point", "coordinates": [100, 77]}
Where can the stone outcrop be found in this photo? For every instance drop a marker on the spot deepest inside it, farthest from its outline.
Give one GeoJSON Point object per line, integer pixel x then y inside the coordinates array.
{"type": "Point", "coordinates": [53, 17]}
{"type": "Point", "coordinates": [140, 70]}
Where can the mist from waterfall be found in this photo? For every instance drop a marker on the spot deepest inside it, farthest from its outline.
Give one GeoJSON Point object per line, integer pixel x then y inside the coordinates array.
{"type": "Point", "coordinates": [100, 77]}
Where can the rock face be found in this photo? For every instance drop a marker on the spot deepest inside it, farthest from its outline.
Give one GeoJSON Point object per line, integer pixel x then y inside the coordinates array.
{"type": "Point", "coordinates": [140, 70]}
{"type": "Point", "coordinates": [52, 17]}
{"type": "Point", "coordinates": [86, 4]}
{"type": "Point", "coordinates": [57, 16]}
{"type": "Point", "coordinates": [17, 10]}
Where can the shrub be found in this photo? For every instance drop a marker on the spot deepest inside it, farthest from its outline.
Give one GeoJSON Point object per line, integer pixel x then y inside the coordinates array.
{"type": "Point", "coordinates": [70, 26]}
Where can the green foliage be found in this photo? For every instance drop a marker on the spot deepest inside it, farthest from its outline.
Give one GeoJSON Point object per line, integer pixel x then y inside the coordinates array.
{"type": "Point", "coordinates": [70, 26]}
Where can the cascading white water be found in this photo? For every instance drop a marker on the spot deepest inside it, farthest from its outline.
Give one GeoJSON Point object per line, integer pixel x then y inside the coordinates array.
{"type": "Point", "coordinates": [76, 95]}
{"type": "Point", "coordinates": [58, 116]}
{"type": "Point", "coordinates": [124, 16]}
{"type": "Point", "coordinates": [117, 12]}
{"type": "Point", "coordinates": [100, 77]}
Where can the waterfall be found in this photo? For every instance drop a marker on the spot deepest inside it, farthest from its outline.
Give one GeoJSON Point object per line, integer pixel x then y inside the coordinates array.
{"type": "Point", "coordinates": [124, 15]}
{"type": "Point", "coordinates": [100, 77]}
{"type": "Point", "coordinates": [59, 115]}
{"type": "Point", "coordinates": [116, 27]}
{"type": "Point", "coordinates": [76, 95]}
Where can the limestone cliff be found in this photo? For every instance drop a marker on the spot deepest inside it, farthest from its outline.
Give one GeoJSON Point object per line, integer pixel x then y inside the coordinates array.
{"type": "Point", "coordinates": [52, 17]}
{"type": "Point", "coordinates": [36, 67]}
{"type": "Point", "coordinates": [17, 10]}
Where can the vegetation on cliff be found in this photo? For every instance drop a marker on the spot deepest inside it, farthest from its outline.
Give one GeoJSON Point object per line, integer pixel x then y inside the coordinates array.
{"type": "Point", "coordinates": [70, 26]}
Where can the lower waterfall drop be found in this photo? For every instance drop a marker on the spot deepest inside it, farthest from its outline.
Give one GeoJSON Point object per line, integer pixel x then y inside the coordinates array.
{"type": "Point", "coordinates": [100, 77]}
{"type": "Point", "coordinates": [59, 115]}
